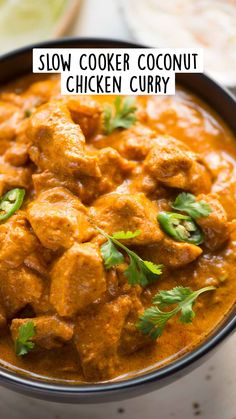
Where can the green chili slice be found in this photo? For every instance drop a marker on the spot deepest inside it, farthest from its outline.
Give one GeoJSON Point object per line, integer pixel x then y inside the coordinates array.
{"type": "Point", "coordinates": [180, 227]}
{"type": "Point", "coordinates": [11, 202]}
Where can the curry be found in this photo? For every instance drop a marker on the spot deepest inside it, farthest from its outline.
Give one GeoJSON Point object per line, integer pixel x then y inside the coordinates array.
{"type": "Point", "coordinates": [117, 242]}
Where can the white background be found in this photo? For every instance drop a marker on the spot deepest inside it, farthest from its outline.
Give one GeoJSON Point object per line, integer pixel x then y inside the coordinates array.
{"type": "Point", "coordinates": [207, 393]}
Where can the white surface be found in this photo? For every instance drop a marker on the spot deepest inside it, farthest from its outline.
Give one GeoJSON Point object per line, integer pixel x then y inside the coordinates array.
{"type": "Point", "coordinates": [212, 386]}
{"type": "Point", "coordinates": [206, 24]}
{"type": "Point", "coordinates": [101, 18]}
{"type": "Point", "coordinates": [207, 393]}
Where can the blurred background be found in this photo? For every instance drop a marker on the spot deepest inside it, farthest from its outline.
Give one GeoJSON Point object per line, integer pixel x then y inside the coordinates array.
{"type": "Point", "coordinates": [210, 391]}
{"type": "Point", "coordinates": [210, 24]}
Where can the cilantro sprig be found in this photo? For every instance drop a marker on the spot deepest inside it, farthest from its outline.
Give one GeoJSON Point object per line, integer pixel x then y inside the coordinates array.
{"type": "Point", "coordinates": [186, 202]}
{"type": "Point", "coordinates": [139, 271]}
{"type": "Point", "coordinates": [122, 116]}
{"type": "Point", "coordinates": [24, 343]}
{"type": "Point", "coordinates": [154, 320]}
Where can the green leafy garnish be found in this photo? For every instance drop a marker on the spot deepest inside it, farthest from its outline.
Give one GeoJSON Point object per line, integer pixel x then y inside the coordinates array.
{"type": "Point", "coordinates": [123, 115]}
{"type": "Point", "coordinates": [139, 271]}
{"type": "Point", "coordinates": [28, 113]}
{"type": "Point", "coordinates": [186, 202]}
{"type": "Point", "coordinates": [125, 235]}
{"type": "Point", "coordinates": [24, 343]}
{"type": "Point", "coordinates": [111, 255]}
{"type": "Point", "coordinates": [153, 320]}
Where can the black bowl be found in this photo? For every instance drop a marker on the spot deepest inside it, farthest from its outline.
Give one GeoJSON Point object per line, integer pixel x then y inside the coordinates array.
{"type": "Point", "coordinates": [19, 62]}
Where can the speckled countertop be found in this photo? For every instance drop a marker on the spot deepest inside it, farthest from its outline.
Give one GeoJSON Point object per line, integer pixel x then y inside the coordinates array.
{"type": "Point", "coordinates": [208, 392]}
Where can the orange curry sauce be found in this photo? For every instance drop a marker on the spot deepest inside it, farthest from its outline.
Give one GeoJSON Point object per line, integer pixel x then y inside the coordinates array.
{"type": "Point", "coordinates": [76, 177]}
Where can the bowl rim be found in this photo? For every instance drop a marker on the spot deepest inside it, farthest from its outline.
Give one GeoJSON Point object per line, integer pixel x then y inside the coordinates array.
{"type": "Point", "coordinates": [10, 376]}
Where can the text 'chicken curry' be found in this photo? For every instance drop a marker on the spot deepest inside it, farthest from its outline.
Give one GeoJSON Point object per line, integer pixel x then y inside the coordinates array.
{"type": "Point", "coordinates": [117, 243]}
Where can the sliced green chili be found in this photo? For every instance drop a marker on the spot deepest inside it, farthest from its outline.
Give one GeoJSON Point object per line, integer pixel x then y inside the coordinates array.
{"type": "Point", "coordinates": [180, 227]}
{"type": "Point", "coordinates": [11, 202]}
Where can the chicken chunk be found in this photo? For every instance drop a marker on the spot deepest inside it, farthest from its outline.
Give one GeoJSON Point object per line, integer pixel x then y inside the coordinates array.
{"type": "Point", "coordinates": [18, 288]}
{"type": "Point", "coordinates": [13, 177]}
{"type": "Point", "coordinates": [173, 164]}
{"type": "Point", "coordinates": [31, 95]}
{"type": "Point", "coordinates": [10, 98]}
{"type": "Point", "coordinates": [48, 180]}
{"type": "Point", "coordinates": [58, 144]}
{"type": "Point", "coordinates": [215, 227]}
{"type": "Point", "coordinates": [113, 167]}
{"type": "Point", "coordinates": [133, 143]}
{"type": "Point", "coordinates": [43, 306]}
{"type": "Point", "coordinates": [115, 212]}
{"type": "Point", "coordinates": [3, 319]}
{"type": "Point", "coordinates": [77, 279]}
{"type": "Point", "coordinates": [136, 142]}
{"type": "Point", "coordinates": [85, 112]}
{"type": "Point", "coordinates": [171, 253]}
{"type": "Point", "coordinates": [224, 185]}
{"type": "Point", "coordinates": [17, 155]}
{"type": "Point", "coordinates": [58, 219]}
{"type": "Point", "coordinates": [200, 178]}
{"type": "Point", "coordinates": [50, 332]}
{"type": "Point", "coordinates": [16, 241]}
{"type": "Point", "coordinates": [97, 338]}
{"type": "Point", "coordinates": [114, 170]}
{"type": "Point", "coordinates": [38, 261]}
{"type": "Point", "coordinates": [40, 92]}
{"type": "Point", "coordinates": [8, 110]}
{"type": "Point", "coordinates": [10, 116]}
{"type": "Point", "coordinates": [132, 339]}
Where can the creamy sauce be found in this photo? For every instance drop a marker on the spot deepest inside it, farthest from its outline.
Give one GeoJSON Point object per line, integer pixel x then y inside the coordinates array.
{"type": "Point", "coordinates": [188, 119]}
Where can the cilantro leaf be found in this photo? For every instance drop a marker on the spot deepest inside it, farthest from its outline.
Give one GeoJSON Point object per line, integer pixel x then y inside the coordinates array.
{"type": "Point", "coordinates": [186, 202]}
{"type": "Point", "coordinates": [174, 296]}
{"type": "Point", "coordinates": [107, 118]}
{"type": "Point", "coordinates": [152, 267]}
{"type": "Point", "coordinates": [111, 255]}
{"type": "Point", "coordinates": [123, 115]}
{"type": "Point", "coordinates": [133, 274]}
{"type": "Point", "coordinates": [153, 320]}
{"type": "Point", "coordinates": [125, 235]}
{"type": "Point", "coordinates": [139, 271]}
{"type": "Point", "coordinates": [187, 313]}
{"type": "Point", "coordinates": [24, 343]}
